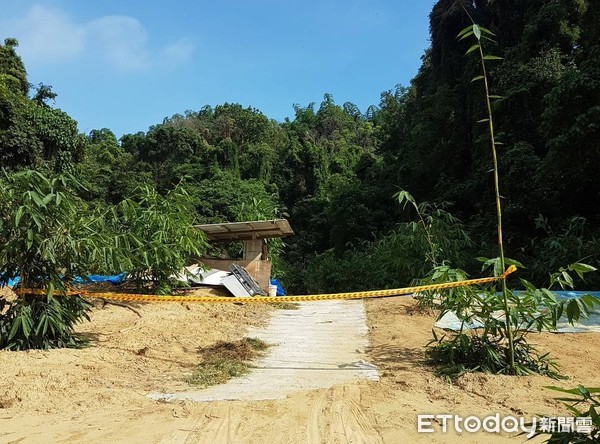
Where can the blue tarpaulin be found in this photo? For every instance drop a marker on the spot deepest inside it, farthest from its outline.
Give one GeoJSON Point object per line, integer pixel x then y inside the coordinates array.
{"type": "Point", "coordinates": [280, 290]}
{"type": "Point", "coordinates": [114, 279]}
{"type": "Point", "coordinates": [13, 282]}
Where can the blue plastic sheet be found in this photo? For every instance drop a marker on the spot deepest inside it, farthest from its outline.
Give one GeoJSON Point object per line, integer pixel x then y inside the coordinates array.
{"type": "Point", "coordinates": [113, 279]}
{"type": "Point", "coordinates": [13, 282]}
{"type": "Point", "coordinates": [280, 290]}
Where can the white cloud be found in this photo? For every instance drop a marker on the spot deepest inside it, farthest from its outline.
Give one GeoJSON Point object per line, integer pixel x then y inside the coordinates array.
{"type": "Point", "coordinates": [121, 41]}
{"type": "Point", "coordinates": [47, 34]}
{"type": "Point", "coordinates": [177, 52]}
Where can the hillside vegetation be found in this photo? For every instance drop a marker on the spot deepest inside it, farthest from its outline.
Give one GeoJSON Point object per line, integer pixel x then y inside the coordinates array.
{"type": "Point", "coordinates": [333, 169]}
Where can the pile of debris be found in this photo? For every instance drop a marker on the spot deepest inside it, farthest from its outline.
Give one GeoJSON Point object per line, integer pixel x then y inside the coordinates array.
{"type": "Point", "coordinates": [237, 280]}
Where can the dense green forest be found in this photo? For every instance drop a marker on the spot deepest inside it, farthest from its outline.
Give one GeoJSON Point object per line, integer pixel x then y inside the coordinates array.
{"type": "Point", "coordinates": [333, 169]}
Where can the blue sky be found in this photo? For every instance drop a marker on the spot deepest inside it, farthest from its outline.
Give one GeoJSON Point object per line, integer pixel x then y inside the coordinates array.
{"type": "Point", "coordinates": [127, 64]}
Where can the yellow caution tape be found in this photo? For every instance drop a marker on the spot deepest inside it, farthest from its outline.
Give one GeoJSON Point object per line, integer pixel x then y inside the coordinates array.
{"type": "Point", "coordinates": [270, 299]}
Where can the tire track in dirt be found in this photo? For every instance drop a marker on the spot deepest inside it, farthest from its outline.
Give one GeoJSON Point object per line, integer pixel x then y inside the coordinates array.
{"type": "Point", "coordinates": [315, 413]}
{"type": "Point", "coordinates": [350, 422]}
{"type": "Point", "coordinates": [215, 424]}
{"type": "Point", "coordinates": [328, 416]}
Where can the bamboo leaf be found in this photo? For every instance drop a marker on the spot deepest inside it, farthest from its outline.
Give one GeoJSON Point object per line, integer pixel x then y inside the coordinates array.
{"type": "Point", "coordinates": [47, 199]}
{"type": "Point", "coordinates": [584, 268]}
{"type": "Point", "coordinates": [487, 31]}
{"type": "Point", "coordinates": [465, 30]}
{"type": "Point", "coordinates": [29, 238]}
{"type": "Point", "coordinates": [37, 199]}
{"type": "Point", "coordinates": [477, 31]}
{"type": "Point", "coordinates": [483, 120]}
{"type": "Point", "coordinates": [492, 57]}
{"type": "Point", "coordinates": [474, 79]}
{"type": "Point", "coordinates": [573, 311]}
{"type": "Point", "coordinates": [18, 216]}
{"type": "Point", "coordinates": [568, 279]}
{"type": "Point", "coordinates": [15, 328]}
{"type": "Point", "coordinates": [573, 410]}
{"type": "Point", "coordinates": [468, 34]}
{"type": "Point", "coordinates": [37, 220]}
{"type": "Point", "coordinates": [471, 49]}
{"type": "Point", "coordinates": [26, 325]}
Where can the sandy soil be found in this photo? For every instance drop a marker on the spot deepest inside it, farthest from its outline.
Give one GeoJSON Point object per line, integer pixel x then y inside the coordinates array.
{"type": "Point", "coordinates": [98, 394]}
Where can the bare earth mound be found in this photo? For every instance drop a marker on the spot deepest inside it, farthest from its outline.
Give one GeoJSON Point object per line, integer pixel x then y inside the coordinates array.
{"type": "Point", "coordinates": [99, 394]}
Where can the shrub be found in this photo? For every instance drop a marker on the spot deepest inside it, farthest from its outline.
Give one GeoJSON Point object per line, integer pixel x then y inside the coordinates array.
{"type": "Point", "coordinates": [580, 399]}
{"type": "Point", "coordinates": [487, 348]}
{"type": "Point", "coordinates": [156, 235]}
{"type": "Point", "coordinates": [48, 236]}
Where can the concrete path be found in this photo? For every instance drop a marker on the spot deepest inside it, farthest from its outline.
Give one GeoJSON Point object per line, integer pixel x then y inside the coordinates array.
{"type": "Point", "coordinates": [317, 346]}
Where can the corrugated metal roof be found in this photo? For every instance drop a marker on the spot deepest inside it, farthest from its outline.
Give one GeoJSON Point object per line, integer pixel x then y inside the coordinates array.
{"type": "Point", "coordinates": [254, 230]}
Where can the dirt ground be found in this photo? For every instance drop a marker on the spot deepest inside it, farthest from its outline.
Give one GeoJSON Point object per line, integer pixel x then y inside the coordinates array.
{"type": "Point", "coordinates": [98, 394]}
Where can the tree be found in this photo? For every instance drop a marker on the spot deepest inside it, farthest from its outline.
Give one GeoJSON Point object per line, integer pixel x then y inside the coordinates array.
{"type": "Point", "coordinates": [31, 133]}
{"type": "Point", "coordinates": [157, 237]}
{"type": "Point", "coordinates": [570, 121]}
{"type": "Point", "coordinates": [11, 66]}
{"type": "Point", "coordinates": [48, 236]}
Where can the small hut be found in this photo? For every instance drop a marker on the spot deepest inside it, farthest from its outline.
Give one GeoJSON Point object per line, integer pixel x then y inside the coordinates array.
{"type": "Point", "coordinates": [253, 235]}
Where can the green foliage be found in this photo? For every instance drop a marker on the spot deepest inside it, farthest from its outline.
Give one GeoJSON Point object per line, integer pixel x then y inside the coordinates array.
{"type": "Point", "coordinates": [570, 120]}
{"type": "Point", "coordinates": [11, 65]}
{"type": "Point", "coordinates": [334, 169]}
{"type": "Point", "coordinates": [226, 198]}
{"type": "Point", "coordinates": [464, 353]}
{"type": "Point", "coordinates": [31, 133]}
{"type": "Point", "coordinates": [444, 235]}
{"type": "Point", "coordinates": [415, 247]}
{"type": "Point", "coordinates": [44, 93]}
{"type": "Point", "coordinates": [429, 300]}
{"type": "Point", "coordinates": [482, 342]}
{"type": "Point", "coordinates": [34, 135]}
{"type": "Point", "coordinates": [41, 323]}
{"type": "Point", "coordinates": [107, 171]}
{"type": "Point", "coordinates": [568, 243]}
{"type": "Point", "coordinates": [410, 250]}
{"type": "Point", "coordinates": [48, 236]}
{"type": "Point", "coordinates": [156, 237]}
{"type": "Point", "coordinates": [582, 402]}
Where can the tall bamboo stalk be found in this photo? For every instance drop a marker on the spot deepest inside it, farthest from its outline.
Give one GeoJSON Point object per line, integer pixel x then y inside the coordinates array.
{"type": "Point", "coordinates": [509, 332]}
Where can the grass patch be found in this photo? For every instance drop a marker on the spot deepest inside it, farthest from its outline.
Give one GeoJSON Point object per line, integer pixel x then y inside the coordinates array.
{"type": "Point", "coordinates": [225, 360]}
